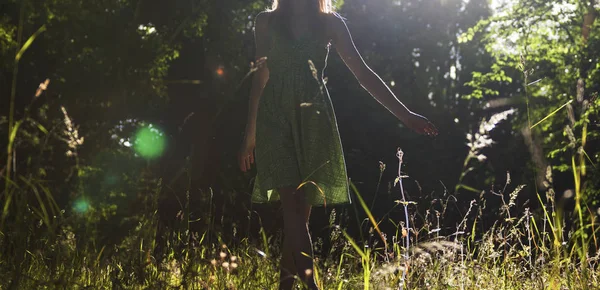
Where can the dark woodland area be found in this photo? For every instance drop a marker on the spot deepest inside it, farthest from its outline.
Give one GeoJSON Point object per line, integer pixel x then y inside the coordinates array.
{"type": "Point", "coordinates": [121, 120]}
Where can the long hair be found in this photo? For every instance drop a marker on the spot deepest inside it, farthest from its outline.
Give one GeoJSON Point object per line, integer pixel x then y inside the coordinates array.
{"type": "Point", "coordinates": [284, 9]}
{"type": "Point", "coordinates": [323, 6]}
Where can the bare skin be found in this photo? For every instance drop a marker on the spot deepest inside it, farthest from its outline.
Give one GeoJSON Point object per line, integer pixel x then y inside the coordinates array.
{"type": "Point", "coordinates": [297, 245]}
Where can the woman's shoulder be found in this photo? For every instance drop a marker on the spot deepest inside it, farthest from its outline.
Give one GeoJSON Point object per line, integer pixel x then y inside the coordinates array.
{"type": "Point", "coordinates": [333, 22]}
{"type": "Point", "coordinates": [334, 19]}
{"type": "Point", "coordinates": [262, 20]}
{"type": "Point", "coordinates": [263, 16]}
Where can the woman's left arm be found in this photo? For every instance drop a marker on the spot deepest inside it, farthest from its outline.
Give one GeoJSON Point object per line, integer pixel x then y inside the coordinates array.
{"type": "Point", "coordinates": [370, 81]}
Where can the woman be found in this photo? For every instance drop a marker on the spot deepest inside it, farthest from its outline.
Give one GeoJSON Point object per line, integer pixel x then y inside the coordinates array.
{"type": "Point", "coordinates": [292, 125]}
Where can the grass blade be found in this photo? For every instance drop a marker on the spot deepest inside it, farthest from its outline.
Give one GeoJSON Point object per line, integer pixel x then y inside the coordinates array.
{"type": "Point", "coordinates": [369, 214]}
{"type": "Point", "coordinates": [551, 114]}
{"type": "Point", "coordinates": [28, 43]}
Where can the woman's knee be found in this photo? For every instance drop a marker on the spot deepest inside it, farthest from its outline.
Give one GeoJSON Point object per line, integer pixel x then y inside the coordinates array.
{"type": "Point", "coordinates": [287, 196]}
{"type": "Point", "coordinates": [297, 197]}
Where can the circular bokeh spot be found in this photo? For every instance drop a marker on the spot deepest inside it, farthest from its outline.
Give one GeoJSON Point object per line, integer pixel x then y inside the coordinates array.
{"type": "Point", "coordinates": [81, 206]}
{"type": "Point", "coordinates": [111, 179]}
{"type": "Point", "coordinates": [149, 142]}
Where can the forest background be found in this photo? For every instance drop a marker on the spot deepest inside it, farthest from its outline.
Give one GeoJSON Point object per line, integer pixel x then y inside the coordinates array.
{"type": "Point", "coordinates": [121, 122]}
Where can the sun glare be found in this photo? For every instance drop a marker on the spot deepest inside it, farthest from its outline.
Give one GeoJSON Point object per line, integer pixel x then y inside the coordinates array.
{"type": "Point", "coordinates": [149, 142]}
{"type": "Point", "coordinates": [81, 206]}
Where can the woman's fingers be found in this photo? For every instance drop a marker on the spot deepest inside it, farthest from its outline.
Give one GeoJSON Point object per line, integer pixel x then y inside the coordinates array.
{"type": "Point", "coordinates": [242, 163]}
{"type": "Point", "coordinates": [429, 129]}
{"type": "Point", "coordinates": [245, 160]}
{"type": "Point", "coordinates": [430, 132]}
{"type": "Point", "coordinates": [433, 129]}
{"type": "Point", "coordinates": [260, 62]}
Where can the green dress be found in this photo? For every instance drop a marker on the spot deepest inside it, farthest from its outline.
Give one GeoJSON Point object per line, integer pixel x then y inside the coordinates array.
{"type": "Point", "coordinates": [297, 138]}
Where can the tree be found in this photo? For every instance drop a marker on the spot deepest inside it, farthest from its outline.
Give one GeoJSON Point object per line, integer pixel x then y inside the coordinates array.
{"type": "Point", "coordinates": [551, 51]}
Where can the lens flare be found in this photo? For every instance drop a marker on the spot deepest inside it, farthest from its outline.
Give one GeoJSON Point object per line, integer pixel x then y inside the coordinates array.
{"type": "Point", "coordinates": [111, 179]}
{"type": "Point", "coordinates": [149, 142]}
{"type": "Point", "coordinates": [81, 206]}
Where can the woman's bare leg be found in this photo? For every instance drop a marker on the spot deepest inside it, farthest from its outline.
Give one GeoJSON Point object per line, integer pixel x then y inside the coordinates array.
{"type": "Point", "coordinates": [287, 267]}
{"type": "Point", "coordinates": [296, 212]}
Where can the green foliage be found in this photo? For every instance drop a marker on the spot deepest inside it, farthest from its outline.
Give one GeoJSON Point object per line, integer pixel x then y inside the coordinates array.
{"type": "Point", "coordinates": [545, 45]}
{"type": "Point", "coordinates": [480, 82]}
{"type": "Point", "coordinates": [80, 207]}
{"type": "Point", "coordinates": [514, 253]}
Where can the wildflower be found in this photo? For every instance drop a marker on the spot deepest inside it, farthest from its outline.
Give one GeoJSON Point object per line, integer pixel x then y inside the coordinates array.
{"type": "Point", "coordinates": [313, 69]}
{"type": "Point", "coordinates": [487, 126]}
{"type": "Point", "coordinates": [568, 193]}
{"type": "Point", "coordinates": [308, 272]}
{"type": "Point", "coordinates": [72, 134]}
{"type": "Point", "coordinates": [481, 139]}
{"type": "Point", "coordinates": [43, 86]}
{"type": "Point", "coordinates": [222, 255]}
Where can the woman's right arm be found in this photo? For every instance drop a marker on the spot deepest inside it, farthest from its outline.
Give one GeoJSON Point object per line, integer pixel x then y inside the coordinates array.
{"type": "Point", "coordinates": [370, 81]}
{"type": "Point", "coordinates": [259, 80]}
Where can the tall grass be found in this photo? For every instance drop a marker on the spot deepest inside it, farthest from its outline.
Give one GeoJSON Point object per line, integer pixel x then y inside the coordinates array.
{"type": "Point", "coordinates": [41, 247]}
{"type": "Point", "coordinates": [512, 254]}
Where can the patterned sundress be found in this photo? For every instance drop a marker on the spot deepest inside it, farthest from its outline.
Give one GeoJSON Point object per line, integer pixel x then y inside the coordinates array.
{"type": "Point", "coordinates": [297, 137]}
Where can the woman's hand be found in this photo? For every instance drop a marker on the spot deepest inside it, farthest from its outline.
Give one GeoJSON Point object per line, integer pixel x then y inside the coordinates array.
{"type": "Point", "coordinates": [246, 153]}
{"type": "Point", "coordinates": [419, 124]}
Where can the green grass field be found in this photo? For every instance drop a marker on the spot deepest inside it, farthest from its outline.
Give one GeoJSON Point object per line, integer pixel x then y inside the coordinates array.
{"type": "Point", "coordinates": [514, 254]}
